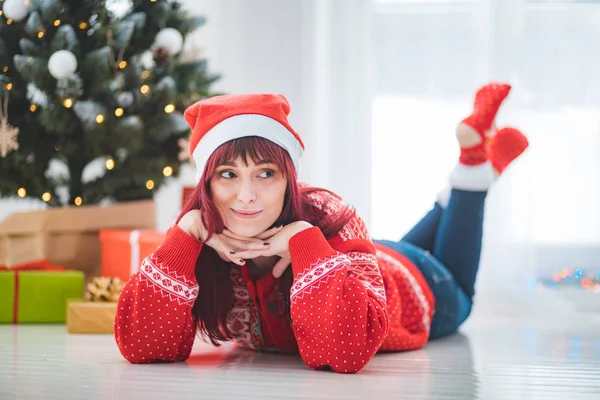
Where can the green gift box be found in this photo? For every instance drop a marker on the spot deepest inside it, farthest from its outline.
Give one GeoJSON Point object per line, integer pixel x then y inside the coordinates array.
{"type": "Point", "coordinates": [38, 292]}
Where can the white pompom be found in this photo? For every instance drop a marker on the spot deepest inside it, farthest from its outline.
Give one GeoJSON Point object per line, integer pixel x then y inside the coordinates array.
{"type": "Point", "coordinates": [169, 39]}
{"type": "Point", "coordinates": [62, 64]}
{"type": "Point", "coordinates": [15, 9]}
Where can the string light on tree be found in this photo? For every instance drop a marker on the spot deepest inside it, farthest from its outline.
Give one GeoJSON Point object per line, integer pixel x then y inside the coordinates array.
{"type": "Point", "coordinates": [145, 89]}
{"type": "Point", "coordinates": [78, 200]}
{"type": "Point", "coordinates": [21, 192]}
{"type": "Point", "coordinates": [41, 34]}
{"type": "Point", "coordinates": [99, 118]}
{"type": "Point", "coordinates": [47, 197]}
{"type": "Point", "coordinates": [57, 22]}
{"type": "Point", "coordinates": [119, 112]}
{"type": "Point", "coordinates": [150, 184]}
{"type": "Point", "coordinates": [83, 25]}
{"type": "Point", "coordinates": [32, 108]}
{"type": "Point", "coordinates": [123, 64]}
{"type": "Point", "coordinates": [68, 103]}
{"type": "Point", "coordinates": [169, 108]}
{"type": "Point", "coordinates": [168, 171]}
{"type": "Point", "coordinates": [110, 164]}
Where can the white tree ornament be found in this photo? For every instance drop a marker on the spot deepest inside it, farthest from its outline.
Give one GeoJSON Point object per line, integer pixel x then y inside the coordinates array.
{"type": "Point", "coordinates": [62, 64]}
{"type": "Point", "coordinates": [169, 39]}
{"type": "Point", "coordinates": [15, 9]}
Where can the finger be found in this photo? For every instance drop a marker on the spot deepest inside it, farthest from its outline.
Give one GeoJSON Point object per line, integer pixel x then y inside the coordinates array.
{"type": "Point", "coordinates": [228, 254]}
{"type": "Point", "coordinates": [249, 254]}
{"type": "Point", "coordinates": [224, 251]}
{"type": "Point", "coordinates": [274, 250]}
{"type": "Point", "coordinates": [281, 266]}
{"type": "Point", "coordinates": [236, 260]}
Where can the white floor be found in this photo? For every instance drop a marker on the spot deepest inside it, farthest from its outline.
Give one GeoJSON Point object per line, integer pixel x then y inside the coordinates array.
{"type": "Point", "coordinates": [546, 352]}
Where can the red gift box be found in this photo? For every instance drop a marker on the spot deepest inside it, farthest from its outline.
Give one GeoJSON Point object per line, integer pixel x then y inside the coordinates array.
{"type": "Point", "coordinates": [187, 191]}
{"type": "Point", "coordinates": [122, 251]}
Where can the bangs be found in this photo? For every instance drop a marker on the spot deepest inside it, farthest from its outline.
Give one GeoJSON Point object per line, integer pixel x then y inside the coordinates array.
{"type": "Point", "coordinates": [254, 148]}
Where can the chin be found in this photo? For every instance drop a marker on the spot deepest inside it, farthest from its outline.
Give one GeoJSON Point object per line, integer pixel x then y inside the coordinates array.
{"type": "Point", "coordinates": [247, 231]}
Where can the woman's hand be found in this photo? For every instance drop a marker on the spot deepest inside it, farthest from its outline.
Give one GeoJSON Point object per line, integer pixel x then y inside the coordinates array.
{"type": "Point", "coordinates": [227, 247]}
{"type": "Point", "coordinates": [278, 245]}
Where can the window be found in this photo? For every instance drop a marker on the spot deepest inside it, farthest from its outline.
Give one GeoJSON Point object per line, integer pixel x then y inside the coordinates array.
{"type": "Point", "coordinates": [429, 60]}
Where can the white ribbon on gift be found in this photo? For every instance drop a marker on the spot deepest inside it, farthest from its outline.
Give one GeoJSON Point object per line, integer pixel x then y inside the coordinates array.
{"type": "Point", "coordinates": [134, 241]}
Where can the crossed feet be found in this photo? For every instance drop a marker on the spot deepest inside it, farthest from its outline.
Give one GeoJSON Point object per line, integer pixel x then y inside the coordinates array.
{"type": "Point", "coordinates": [478, 137]}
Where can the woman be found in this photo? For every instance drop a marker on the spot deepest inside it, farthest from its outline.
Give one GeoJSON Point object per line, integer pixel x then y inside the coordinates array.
{"type": "Point", "coordinates": [279, 266]}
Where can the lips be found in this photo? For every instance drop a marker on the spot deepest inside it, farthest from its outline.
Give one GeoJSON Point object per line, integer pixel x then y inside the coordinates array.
{"type": "Point", "coordinates": [246, 213]}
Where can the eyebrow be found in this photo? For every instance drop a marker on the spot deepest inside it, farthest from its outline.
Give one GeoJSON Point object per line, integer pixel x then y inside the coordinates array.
{"type": "Point", "coordinates": [233, 164]}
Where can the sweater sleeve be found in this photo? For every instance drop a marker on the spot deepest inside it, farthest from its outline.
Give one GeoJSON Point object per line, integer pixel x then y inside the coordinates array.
{"type": "Point", "coordinates": [338, 304]}
{"type": "Point", "coordinates": [154, 320]}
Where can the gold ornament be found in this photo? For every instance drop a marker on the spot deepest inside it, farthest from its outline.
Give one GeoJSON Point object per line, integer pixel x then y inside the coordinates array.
{"type": "Point", "coordinates": [103, 289]}
{"type": "Point", "coordinates": [8, 133]}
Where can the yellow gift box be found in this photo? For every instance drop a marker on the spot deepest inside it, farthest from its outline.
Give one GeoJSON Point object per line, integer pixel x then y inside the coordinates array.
{"type": "Point", "coordinates": [90, 317]}
{"type": "Point", "coordinates": [97, 313]}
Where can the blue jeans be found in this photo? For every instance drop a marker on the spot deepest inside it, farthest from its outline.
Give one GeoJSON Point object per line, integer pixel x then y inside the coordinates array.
{"type": "Point", "coordinates": [446, 247]}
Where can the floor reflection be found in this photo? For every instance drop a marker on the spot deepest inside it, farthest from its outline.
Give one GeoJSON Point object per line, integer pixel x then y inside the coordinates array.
{"type": "Point", "coordinates": [499, 357]}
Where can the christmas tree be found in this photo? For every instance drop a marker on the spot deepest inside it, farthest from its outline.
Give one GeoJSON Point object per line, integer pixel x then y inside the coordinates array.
{"type": "Point", "coordinates": [92, 97]}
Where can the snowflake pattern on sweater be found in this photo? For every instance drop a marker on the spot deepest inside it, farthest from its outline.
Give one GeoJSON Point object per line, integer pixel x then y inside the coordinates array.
{"type": "Point", "coordinates": [349, 300]}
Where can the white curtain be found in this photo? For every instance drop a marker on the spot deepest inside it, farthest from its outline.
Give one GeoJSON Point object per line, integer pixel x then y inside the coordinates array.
{"type": "Point", "coordinates": [430, 57]}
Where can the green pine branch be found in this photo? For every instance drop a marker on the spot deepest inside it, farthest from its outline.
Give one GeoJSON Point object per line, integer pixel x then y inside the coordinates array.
{"type": "Point", "coordinates": [122, 108]}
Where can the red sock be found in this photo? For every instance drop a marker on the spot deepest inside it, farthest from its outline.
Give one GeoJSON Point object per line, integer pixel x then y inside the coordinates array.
{"type": "Point", "coordinates": [488, 100]}
{"type": "Point", "coordinates": [508, 144]}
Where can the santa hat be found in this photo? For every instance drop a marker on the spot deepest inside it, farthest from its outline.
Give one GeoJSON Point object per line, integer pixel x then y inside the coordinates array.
{"type": "Point", "coordinates": [219, 119]}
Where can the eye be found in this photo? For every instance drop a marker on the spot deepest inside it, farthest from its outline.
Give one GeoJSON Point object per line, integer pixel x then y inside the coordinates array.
{"type": "Point", "coordinates": [227, 174]}
{"type": "Point", "coordinates": [267, 173]}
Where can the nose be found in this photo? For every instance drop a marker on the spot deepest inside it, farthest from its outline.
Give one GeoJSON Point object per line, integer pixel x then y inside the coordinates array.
{"type": "Point", "coordinates": [246, 193]}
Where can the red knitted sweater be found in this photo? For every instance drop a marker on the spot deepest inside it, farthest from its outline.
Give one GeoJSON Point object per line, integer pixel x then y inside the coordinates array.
{"type": "Point", "coordinates": [350, 299]}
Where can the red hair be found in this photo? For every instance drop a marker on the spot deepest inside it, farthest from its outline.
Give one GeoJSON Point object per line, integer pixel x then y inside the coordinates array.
{"type": "Point", "coordinates": [215, 299]}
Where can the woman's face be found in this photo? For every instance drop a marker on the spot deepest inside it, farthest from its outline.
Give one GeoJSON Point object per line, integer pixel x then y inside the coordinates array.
{"type": "Point", "coordinates": [249, 197]}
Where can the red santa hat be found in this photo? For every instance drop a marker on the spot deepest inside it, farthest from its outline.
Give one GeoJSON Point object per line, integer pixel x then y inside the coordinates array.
{"type": "Point", "coordinates": [219, 119]}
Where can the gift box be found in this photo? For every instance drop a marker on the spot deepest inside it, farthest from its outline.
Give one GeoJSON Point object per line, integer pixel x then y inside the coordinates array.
{"type": "Point", "coordinates": [122, 251]}
{"type": "Point", "coordinates": [88, 317]}
{"type": "Point", "coordinates": [37, 292]}
{"type": "Point", "coordinates": [97, 313]}
{"type": "Point", "coordinates": [186, 193]}
{"type": "Point", "coordinates": [68, 236]}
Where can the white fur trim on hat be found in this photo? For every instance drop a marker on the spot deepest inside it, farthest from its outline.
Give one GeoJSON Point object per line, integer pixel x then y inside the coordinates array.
{"type": "Point", "coordinates": [244, 125]}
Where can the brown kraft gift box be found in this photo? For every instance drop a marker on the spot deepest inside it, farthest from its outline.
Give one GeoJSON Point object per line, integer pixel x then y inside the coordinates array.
{"type": "Point", "coordinates": [90, 317]}
{"type": "Point", "coordinates": [69, 236]}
